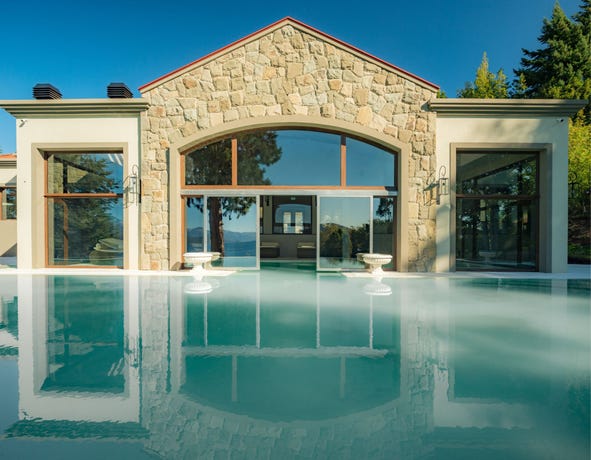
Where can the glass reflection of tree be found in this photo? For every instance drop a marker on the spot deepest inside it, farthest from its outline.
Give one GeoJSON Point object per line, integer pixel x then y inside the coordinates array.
{"type": "Point", "coordinates": [495, 219]}
{"type": "Point", "coordinates": [212, 165]}
{"type": "Point", "coordinates": [340, 242]}
{"type": "Point", "coordinates": [92, 218]}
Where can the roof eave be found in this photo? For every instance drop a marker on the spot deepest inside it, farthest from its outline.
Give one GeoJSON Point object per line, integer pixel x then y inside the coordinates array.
{"type": "Point", "coordinates": [41, 108]}
{"type": "Point", "coordinates": [511, 107]}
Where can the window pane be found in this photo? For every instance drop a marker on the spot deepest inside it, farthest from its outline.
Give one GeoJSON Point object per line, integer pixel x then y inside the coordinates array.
{"type": "Point", "coordinates": [496, 173]}
{"type": "Point", "coordinates": [368, 165]}
{"type": "Point", "coordinates": [289, 158]}
{"type": "Point", "coordinates": [232, 230]}
{"type": "Point", "coordinates": [85, 231]}
{"type": "Point", "coordinates": [194, 224]}
{"type": "Point", "coordinates": [85, 173]}
{"type": "Point", "coordinates": [383, 226]}
{"type": "Point", "coordinates": [257, 151]}
{"type": "Point", "coordinates": [344, 231]}
{"type": "Point", "coordinates": [210, 164]}
{"type": "Point", "coordinates": [8, 203]}
{"type": "Point", "coordinates": [292, 215]}
{"type": "Point", "coordinates": [496, 234]}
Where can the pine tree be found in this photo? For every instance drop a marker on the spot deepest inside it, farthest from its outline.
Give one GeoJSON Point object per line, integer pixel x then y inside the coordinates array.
{"type": "Point", "coordinates": [561, 68]}
{"type": "Point", "coordinates": [487, 85]}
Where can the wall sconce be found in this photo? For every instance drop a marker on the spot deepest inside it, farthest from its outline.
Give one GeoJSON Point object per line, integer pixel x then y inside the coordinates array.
{"type": "Point", "coordinates": [442, 183]}
{"type": "Point", "coordinates": [132, 187]}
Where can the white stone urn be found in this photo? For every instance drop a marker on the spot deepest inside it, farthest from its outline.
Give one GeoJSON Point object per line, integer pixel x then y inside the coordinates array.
{"type": "Point", "coordinates": [375, 262]}
{"type": "Point", "coordinates": [214, 256]}
{"type": "Point", "coordinates": [198, 259]}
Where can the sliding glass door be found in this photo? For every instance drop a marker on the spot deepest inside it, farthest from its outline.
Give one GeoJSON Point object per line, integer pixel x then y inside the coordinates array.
{"type": "Point", "coordinates": [349, 225]}
{"type": "Point", "coordinates": [224, 224]}
{"type": "Point", "coordinates": [344, 231]}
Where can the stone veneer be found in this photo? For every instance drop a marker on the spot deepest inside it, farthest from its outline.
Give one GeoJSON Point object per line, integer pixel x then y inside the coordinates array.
{"type": "Point", "coordinates": [288, 71]}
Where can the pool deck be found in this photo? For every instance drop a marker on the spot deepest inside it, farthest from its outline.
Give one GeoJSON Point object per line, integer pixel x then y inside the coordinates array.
{"type": "Point", "coordinates": [574, 272]}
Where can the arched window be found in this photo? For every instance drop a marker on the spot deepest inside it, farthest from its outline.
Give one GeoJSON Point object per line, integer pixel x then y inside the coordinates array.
{"type": "Point", "coordinates": [290, 158]}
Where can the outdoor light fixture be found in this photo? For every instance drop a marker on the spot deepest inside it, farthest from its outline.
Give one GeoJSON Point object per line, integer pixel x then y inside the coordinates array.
{"type": "Point", "coordinates": [132, 187]}
{"type": "Point", "coordinates": [442, 184]}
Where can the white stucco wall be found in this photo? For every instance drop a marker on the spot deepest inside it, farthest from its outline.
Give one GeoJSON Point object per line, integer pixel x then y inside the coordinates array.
{"type": "Point", "coordinates": [7, 175]}
{"type": "Point", "coordinates": [7, 226]}
{"type": "Point", "coordinates": [506, 132]}
{"type": "Point", "coordinates": [36, 134]}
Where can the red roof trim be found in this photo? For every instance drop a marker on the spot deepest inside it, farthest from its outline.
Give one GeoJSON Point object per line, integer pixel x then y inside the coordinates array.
{"type": "Point", "coordinates": [7, 156]}
{"type": "Point", "coordinates": [286, 20]}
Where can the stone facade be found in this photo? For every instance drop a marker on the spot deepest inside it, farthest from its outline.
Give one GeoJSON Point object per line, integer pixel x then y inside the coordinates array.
{"type": "Point", "coordinates": [288, 71]}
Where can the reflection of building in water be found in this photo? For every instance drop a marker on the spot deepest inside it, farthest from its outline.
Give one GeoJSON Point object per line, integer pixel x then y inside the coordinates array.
{"type": "Point", "coordinates": [8, 318]}
{"type": "Point", "coordinates": [78, 360]}
{"type": "Point", "coordinates": [308, 366]}
{"type": "Point", "coordinates": [298, 370]}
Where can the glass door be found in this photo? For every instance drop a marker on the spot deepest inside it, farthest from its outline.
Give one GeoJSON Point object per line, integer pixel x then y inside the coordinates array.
{"type": "Point", "coordinates": [225, 224]}
{"type": "Point", "coordinates": [344, 231]}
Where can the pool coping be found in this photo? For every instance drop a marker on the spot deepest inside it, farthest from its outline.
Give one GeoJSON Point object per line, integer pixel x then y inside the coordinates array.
{"type": "Point", "coordinates": [574, 272]}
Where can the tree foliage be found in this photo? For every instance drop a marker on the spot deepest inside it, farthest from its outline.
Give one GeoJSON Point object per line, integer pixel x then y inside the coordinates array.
{"type": "Point", "coordinates": [81, 223]}
{"type": "Point", "coordinates": [486, 85]}
{"type": "Point", "coordinates": [579, 167]}
{"type": "Point", "coordinates": [212, 165]}
{"type": "Point", "coordinates": [561, 67]}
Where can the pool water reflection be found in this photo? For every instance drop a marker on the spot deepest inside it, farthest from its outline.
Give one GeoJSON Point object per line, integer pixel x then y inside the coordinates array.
{"type": "Point", "coordinates": [297, 364]}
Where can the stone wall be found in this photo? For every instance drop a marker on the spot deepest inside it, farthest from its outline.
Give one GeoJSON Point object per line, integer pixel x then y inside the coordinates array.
{"type": "Point", "coordinates": [288, 71]}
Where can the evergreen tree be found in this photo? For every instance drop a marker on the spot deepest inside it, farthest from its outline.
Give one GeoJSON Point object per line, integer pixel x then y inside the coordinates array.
{"type": "Point", "coordinates": [212, 165]}
{"type": "Point", "coordinates": [487, 85]}
{"type": "Point", "coordinates": [561, 68]}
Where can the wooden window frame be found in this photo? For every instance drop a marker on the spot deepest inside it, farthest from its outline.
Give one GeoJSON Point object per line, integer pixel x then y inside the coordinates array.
{"type": "Point", "coordinates": [3, 190]}
{"type": "Point", "coordinates": [61, 196]}
{"type": "Point", "coordinates": [342, 173]}
{"type": "Point", "coordinates": [533, 198]}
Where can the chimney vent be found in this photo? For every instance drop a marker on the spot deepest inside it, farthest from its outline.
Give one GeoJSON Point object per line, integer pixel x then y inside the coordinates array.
{"type": "Point", "coordinates": [46, 91]}
{"type": "Point", "coordinates": [118, 90]}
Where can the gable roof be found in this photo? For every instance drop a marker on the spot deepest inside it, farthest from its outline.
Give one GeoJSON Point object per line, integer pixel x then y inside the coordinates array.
{"type": "Point", "coordinates": [272, 28]}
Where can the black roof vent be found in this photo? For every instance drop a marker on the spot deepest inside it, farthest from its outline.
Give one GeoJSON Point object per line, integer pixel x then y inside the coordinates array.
{"type": "Point", "coordinates": [46, 91]}
{"type": "Point", "coordinates": [118, 90]}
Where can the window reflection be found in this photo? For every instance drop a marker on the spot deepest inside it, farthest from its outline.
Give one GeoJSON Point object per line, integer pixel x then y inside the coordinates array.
{"type": "Point", "coordinates": [307, 158]}
{"type": "Point", "coordinates": [290, 157]}
{"type": "Point", "coordinates": [84, 204]}
{"type": "Point", "coordinates": [257, 152]}
{"type": "Point", "coordinates": [496, 173]}
{"type": "Point", "coordinates": [85, 231]}
{"type": "Point", "coordinates": [383, 226]}
{"type": "Point", "coordinates": [232, 230]}
{"type": "Point", "coordinates": [344, 231]}
{"type": "Point", "coordinates": [85, 173]}
{"type": "Point", "coordinates": [85, 345]}
{"type": "Point", "coordinates": [8, 202]}
{"type": "Point", "coordinates": [210, 164]}
{"type": "Point", "coordinates": [368, 165]}
{"type": "Point", "coordinates": [496, 211]}
{"type": "Point", "coordinates": [194, 221]}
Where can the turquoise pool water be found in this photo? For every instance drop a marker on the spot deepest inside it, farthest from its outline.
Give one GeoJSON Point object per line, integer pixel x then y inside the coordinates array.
{"type": "Point", "coordinates": [293, 364]}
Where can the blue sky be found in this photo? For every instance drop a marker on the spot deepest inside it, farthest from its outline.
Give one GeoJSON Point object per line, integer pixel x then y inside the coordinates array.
{"type": "Point", "coordinates": [80, 46]}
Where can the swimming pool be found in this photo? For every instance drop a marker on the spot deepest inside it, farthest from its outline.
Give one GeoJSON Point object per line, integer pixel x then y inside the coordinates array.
{"type": "Point", "coordinates": [290, 363]}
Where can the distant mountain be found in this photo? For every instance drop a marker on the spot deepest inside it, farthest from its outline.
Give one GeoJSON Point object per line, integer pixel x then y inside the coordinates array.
{"type": "Point", "coordinates": [196, 234]}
